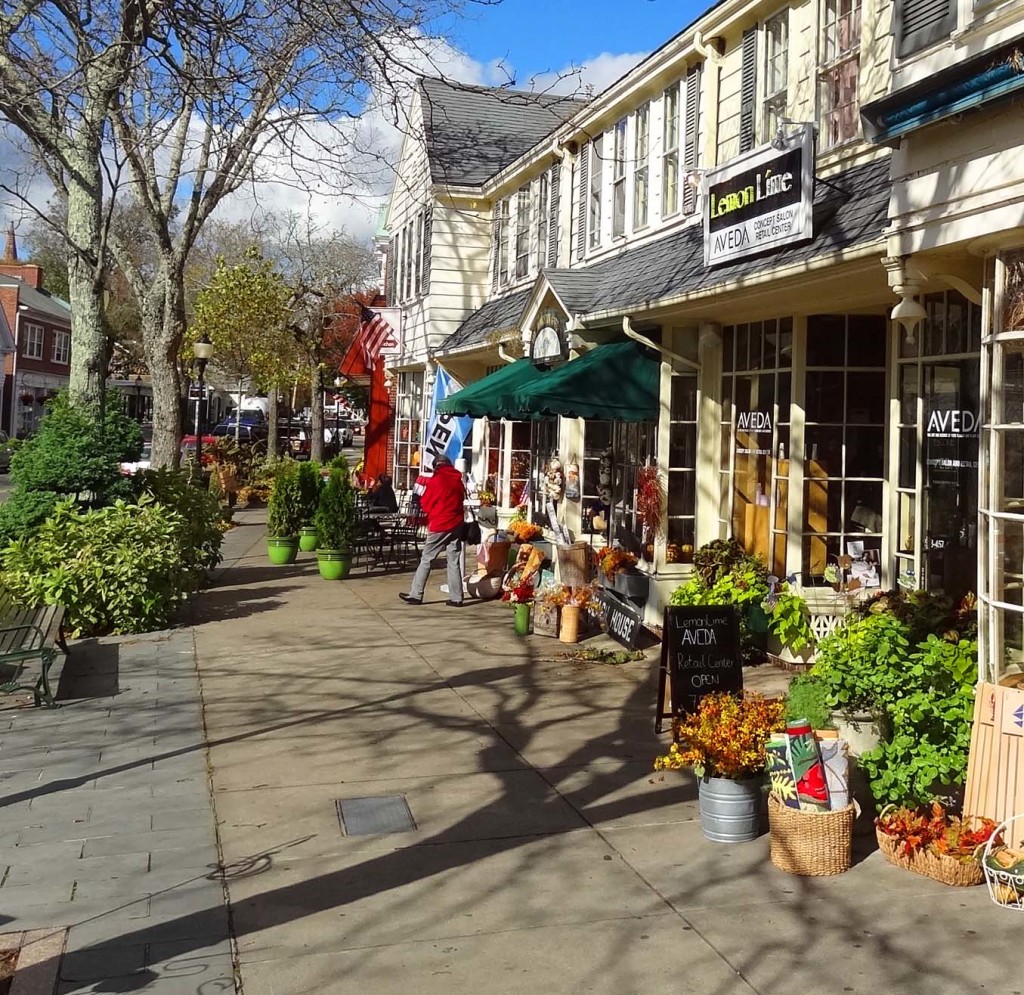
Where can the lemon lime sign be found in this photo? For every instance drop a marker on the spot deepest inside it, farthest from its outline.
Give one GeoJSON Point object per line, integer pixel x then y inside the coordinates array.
{"type": "Point", "coordinates": [761, 200]}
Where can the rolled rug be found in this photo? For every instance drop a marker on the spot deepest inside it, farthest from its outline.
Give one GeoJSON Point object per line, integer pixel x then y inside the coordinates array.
{"type": "Point", "coordinates": [835, 756]}
{"type": "Point", "coordinates": [780, 774]}
{"type": "Point", "coordinates": [808, 770]}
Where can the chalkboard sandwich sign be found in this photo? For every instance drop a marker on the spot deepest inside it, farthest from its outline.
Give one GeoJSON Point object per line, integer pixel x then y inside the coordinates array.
{"type": "Point", "coordinates": [700, 654]}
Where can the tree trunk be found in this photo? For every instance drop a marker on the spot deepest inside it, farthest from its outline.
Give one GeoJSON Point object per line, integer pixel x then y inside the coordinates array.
{"type": "Point", "coordinates": [316, 413]}
{"type": "Point", "coordinates": [272, 423]}
{"type": "Point", "coordinates": [88, 372]}
{"type": "Point", "coordinates": [238, 414]}
{"type": "Point", "coordinates": [163, 324]}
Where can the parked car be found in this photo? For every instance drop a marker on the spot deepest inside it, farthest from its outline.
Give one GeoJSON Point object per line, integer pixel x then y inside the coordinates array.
{"type": "Point", "coordinates": [5, 452]}
{"type": "Point", "coordinates": [249, 426]}
{"type": "Point", "coordinates": [142, 463]}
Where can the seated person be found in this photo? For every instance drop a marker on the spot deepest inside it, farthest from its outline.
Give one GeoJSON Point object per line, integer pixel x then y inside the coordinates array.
{"type": "Point", "coordinates": [382, 495]}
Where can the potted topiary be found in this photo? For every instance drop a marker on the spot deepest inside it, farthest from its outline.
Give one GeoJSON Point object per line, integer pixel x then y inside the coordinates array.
{"type": "Point", "coordinates": [309, 495]}
{"type": "Point", "coordinates": [335, 523]}
{"type": "Point", "coordinates": [284, 517]}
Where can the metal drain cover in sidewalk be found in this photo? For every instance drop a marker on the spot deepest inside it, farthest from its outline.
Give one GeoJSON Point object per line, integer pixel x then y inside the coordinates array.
{"type": "Point", "coordinates": [375, 816]}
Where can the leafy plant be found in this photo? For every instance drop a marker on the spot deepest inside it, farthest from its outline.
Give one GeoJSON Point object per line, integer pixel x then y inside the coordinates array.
{"type": "Point", "coordinates": [808, 699]}
{"type": "Point", "coordinates": [936, 831]}
{"type": "Point", "coordinates": [285, 510]}
{"type": "Point", "coordinates": [335, 519]}
{"type": "Point", "coordinates": [24, 511]}
{"type": "Point", "coordinates": [310, 483]}
{"type": "Point", "coordinates": [725, 556]}
{"type": "Point", "coordinates": [789, 618]}
{"type": "Point", "coordinates": [726, 736]}
{"type": "Point", "coordinates": [115, 569]}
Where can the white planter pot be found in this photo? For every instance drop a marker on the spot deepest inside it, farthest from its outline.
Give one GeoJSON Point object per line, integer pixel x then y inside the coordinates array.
{"type": "Point", "coordinates": [860, 732]}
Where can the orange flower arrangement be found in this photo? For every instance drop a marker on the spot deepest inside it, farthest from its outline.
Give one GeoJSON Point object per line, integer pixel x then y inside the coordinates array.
{"type": "Point", "coordinates": [523, 531]}
{"type": "Point", "coordinates": [726, 736]}
{"type": "Point", "coordinates": [613, 559]}
{"type": "Point", "coordinates": [936, 831]}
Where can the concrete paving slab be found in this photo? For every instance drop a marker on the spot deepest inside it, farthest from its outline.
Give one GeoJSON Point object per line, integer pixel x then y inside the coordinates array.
{"type": "Point", "coordinates": [652, 955]}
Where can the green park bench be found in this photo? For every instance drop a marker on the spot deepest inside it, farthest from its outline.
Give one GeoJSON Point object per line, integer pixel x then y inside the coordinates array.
{"type": "Point", "coordinates": [28, 634]}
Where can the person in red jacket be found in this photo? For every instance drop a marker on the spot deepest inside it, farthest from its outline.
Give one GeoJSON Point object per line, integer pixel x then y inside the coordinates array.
{"type": "Point", "coordinates": [443, 502]}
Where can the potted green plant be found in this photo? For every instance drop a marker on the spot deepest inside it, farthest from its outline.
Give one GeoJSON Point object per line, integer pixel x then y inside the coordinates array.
{"type": "Point", "coordinates": [725, 742]}
{"type": "Point", "coordinates": [309, 495]}
{"type": "Point", "coordinates": [335, 523]}
{"type": "Point", "coordinates": [284, 517]}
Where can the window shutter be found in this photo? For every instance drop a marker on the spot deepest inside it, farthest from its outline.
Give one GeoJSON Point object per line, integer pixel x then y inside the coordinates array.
{"type": "Point", "coordinates": [428, 217]}
{"type": "Point", "coordinates": [919, 23]}
{"type": "Point", "coordinates": [390, 270]}
{"type": "Point", "coordinates": [584, 200]}
{"type": "Point", "coordinates": [748, 90]}
{"type": "Point", "coordinates": [553, 215]}
{"type": "Point", "coordinates": [690, 135]}
{"type": "Point", "coordinates": [496, 245]}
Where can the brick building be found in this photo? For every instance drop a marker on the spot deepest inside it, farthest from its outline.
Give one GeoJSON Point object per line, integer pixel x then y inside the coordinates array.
{"type": "Point", "coordinates": [38, 327]}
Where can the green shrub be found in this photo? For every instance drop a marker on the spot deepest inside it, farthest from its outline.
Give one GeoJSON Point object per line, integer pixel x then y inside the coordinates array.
{"type": "Point", "coordinates": [284, 510]}
{"type": "Point", "coordinates": [340, 462]}
{"type": "Point", "coordinates": [310, 484]}
{"type": "Point", "coordinates": [808, 699]}
{"type": "Point", "coordinates": [23, 511]}
{"type": "Point", "coordinates": [73, 454]}
{"type": "Point", "coordinates": [926, 756]}
{"type": "Point", "coordinates": [115, 569]}
{"type": "Point", "coordinates": [202, 519]}
{"type": "Point", "coordinates": [335, 519]}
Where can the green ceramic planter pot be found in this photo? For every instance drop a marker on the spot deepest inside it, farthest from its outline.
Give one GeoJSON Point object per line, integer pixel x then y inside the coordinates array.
{"type": "Point", "coordinates": [282, 550]}
{"type": "Point", "coordinates": [307, 539]}
{"type": "Point", "coordinates": [334, 564]}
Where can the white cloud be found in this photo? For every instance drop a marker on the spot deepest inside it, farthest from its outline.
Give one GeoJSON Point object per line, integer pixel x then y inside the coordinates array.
{"type": "Point", "coordinates": [599, 72]}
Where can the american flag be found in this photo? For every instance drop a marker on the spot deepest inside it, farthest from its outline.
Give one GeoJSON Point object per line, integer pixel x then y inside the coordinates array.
{"type": "Point", "coordinates": [374, 334]}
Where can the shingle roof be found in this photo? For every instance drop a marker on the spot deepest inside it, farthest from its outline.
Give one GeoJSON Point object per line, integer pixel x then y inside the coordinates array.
{"type": "Point", "coordinates": [576, 288]}
{"type": "Point", "coordinates": [474, 132]}
{"type": "Point", "coordinates": [38, 300]}
{"type": "Point", "coordinates": [495, 316]}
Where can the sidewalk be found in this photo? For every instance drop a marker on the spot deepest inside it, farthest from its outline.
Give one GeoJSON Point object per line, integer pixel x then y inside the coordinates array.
{"type": "Point", "coordinates": [544, 854]}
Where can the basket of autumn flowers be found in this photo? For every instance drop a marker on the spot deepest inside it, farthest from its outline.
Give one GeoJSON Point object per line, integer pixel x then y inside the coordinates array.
{"type": "Point", "coordinates": [934, 843]}
{"type": "Point", "coordinates": [523, 531]}
{"type": "Point", "coordinates": [614, 559]}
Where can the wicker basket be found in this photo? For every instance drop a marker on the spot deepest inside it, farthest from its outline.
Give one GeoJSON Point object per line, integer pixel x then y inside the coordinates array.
{"type": "Point", "coordinates": [574, 564]}
{"type": "Point", "coordinates": [948, 870]}
{"type": "Point", "coordinates": [814, 844]}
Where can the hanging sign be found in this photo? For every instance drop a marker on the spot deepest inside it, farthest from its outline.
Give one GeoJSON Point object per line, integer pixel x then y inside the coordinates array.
{"type": "Point", "coordinates": [621, 618]}
{"type": "Point", "coordinates": [700, 653]}
{"type": "Point", "coordinates": [760, 201]}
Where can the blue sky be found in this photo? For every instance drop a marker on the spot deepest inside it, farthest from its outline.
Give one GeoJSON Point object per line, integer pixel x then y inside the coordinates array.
{"type": "Point", "coordinates": [540, 36]}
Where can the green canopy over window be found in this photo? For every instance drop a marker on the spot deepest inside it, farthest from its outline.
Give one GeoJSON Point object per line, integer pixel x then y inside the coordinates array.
{"type": "Point", "coordinates": [491, 396]}
{"type": "Point", "coordinates": [614, 382]}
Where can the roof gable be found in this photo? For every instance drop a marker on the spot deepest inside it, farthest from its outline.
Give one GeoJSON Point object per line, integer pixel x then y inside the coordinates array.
{"type": "Point", "coordinates": [473, 132]}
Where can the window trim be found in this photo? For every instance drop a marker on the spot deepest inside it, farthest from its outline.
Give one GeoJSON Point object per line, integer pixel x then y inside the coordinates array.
{"type": "Point", "coordinates": [620, 132]}
{"type": "Point", "coordinates": [770, 111]}
{"type": "Point", "coordinates": [641, 166]}
{"type": "Point", "coordinates": [32, 329]}
{"type": "Point", "coordinates": [596, 192]}
{"type": "Point", "coordinates": [831, 64]}
{"type": "Point", "coordinates": [523, 228]}
{"type": "Point", "coordinates": [670, 161]}
{"type": "Point", "coordinates": [62, 338]}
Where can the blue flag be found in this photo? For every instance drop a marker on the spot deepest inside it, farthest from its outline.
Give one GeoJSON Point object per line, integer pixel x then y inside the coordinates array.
{"type": "Point", "coordinates": [445, 433]}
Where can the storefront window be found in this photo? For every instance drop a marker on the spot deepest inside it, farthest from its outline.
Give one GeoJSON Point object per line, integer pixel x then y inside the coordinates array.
{"type": "Point", "coordinates": [844, 445]}
{"type": "Point", "coordinates": [682, 469]}
{"type": "Point", "coordinates": [937, 480]}
{"type": "Point", "coordinates": [543, 446]}
{"type": "Point", "coordinates": [408, 429]}
{"type": "Point", "coordinates": [757, 384]}
{"type": "Point", "coordinates": [634, 444]}
{"type": "Point", "coordinates": [597, 477]}
{"type": "Point", "coordinates": [518, 437]}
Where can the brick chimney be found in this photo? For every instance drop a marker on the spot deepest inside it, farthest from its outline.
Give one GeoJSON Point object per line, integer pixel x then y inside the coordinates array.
{"type": "Point", "coordinates": [10, 266]}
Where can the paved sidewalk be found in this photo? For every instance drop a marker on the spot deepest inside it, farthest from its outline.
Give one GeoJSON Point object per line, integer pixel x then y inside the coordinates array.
{"type": "Point", "coordinates": [544, 855]}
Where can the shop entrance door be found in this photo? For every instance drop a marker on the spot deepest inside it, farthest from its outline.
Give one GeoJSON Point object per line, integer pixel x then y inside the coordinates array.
{"type": "Point", "coordinates": [939, 433]}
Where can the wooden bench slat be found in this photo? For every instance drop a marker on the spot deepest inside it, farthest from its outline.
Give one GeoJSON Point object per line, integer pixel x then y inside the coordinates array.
{"type": "Point", "coordinates": [27, 633]}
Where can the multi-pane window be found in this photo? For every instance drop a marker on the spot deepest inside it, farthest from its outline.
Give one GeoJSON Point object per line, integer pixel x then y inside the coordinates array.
{"type": "Point", "coordinates": [61, 347]}
{"type": "Point", "coordinates": [33, 341]}
{"type": "Point", "coordinates": [844, 444]}
{"type": "Point", "coordinates": [670, 155]}
{"type": "Point", "coordinates": [543, 207]}
{"type": "Point", "coordinates": [543, 446]}
{"type": "Point", "coordinates": [776, 73]}
{"type": "Point", "coordinates": [408, 429]}
{"type": "Point", "coordinates": [597, 477]}
{"type": "Point", "coordinates": [619, 179]}
{"type": "Point", "coordinates": [522, 232]}
{"type": "Point", "coordinates": [757, 385]}
{"type": "Point", "coordinates": [838, 72]}
{"type": "Point", "coordinates": [634, 444]}
{"type": "Point", "coordinates": [641, 142]}
{"type": "Point", "coordinates": [504, 220]}
{"type": "Point", "coordinates": [594, 213]}
{"type": "Point", "coordinates": [682, 468]}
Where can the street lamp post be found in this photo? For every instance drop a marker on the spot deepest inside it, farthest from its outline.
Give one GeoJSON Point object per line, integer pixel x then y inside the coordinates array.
{"type": "Point", "coordinates": [203, 350]}
{"type": "Point", "coordinates": [338, 381]}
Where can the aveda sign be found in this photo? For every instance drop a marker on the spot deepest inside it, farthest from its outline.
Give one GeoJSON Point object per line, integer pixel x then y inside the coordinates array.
{"type": "Point", "coordinates": [760, 201]}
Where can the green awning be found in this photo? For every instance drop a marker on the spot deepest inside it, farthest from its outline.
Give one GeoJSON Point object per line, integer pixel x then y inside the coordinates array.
{"type": "Point", "coordinates": [615, 382]}
{"type": "Point", "coordinates": [491, 396]}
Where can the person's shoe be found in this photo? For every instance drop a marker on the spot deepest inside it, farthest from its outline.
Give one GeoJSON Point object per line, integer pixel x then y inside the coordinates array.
{"type": "Point", "coordinates": [410, 600]}
{"type": "Point", "coordinates": [454, 604]}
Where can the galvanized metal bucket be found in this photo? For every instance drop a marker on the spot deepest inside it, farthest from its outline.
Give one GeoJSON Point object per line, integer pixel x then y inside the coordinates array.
{"type": "Point", "coordinates": [731, 811]}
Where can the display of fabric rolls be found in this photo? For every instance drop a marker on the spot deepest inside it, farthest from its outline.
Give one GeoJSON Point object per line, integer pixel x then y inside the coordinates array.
{"type": "Point", "coordinates": [836, 759]}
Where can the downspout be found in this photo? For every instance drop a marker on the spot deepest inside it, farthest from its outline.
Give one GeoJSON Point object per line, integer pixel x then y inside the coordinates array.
{"type": "Point", "coordinates": [704, 50]}
{"type": "Point", "coordinates": [504, 355]}
{"type": "Point", "coordinates": [632, 333]}
{"type": "Point", "coordinates": [14, 368]}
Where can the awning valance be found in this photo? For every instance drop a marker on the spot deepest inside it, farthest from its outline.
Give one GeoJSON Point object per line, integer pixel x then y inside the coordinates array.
{"type": "Point", "coordinates": [491, 396]}
{"type": "Point", "coordinates": [614, 382]}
